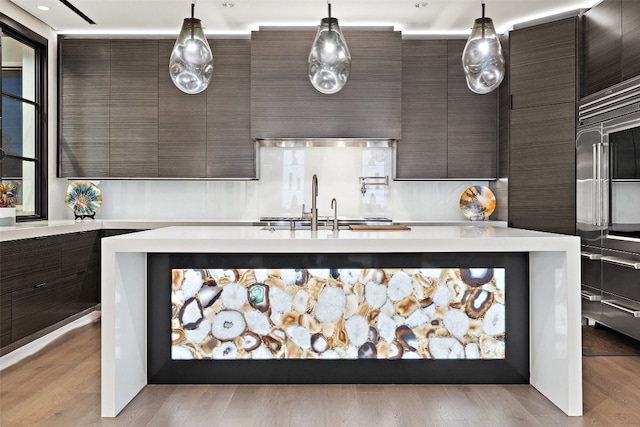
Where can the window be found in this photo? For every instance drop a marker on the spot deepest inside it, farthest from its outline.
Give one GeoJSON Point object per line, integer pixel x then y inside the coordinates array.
{"type": "Point", "coordinates": [23, 147]}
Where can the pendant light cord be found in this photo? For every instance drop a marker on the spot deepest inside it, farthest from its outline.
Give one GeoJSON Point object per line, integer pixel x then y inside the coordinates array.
{"type": "Point", "coordinates": [193, 7]}
{"type": "Point", "coordinates": [483, 19]}
{"type": "Point", "coordinates": [329, 6]}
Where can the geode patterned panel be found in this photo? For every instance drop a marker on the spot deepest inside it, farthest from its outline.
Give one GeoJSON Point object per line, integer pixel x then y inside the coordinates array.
{"type": "Point", "coordinates": [426, 313]}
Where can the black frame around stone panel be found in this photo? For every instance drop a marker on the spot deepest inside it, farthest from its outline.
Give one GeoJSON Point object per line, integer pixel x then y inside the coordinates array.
{"type": "Point", "coordinates": [513, 369]}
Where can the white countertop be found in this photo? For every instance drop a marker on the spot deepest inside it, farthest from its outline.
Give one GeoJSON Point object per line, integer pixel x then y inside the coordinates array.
{"type": "Point", "coordinates": [471, 238]}
{"type": "Point", "coordinates": [31, 229]}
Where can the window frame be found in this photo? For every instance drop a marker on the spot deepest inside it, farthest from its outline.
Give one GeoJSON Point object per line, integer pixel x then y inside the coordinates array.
{"type": "Point", "coordinates": [40, 45]}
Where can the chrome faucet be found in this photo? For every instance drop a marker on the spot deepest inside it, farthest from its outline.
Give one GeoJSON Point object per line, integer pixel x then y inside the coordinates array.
{"type": "Point", "coordinates": [314, 209]}
{"type": "Point", "coordinates": [314, 199]}
{"type": "Point", "coordinates": [334, 206]}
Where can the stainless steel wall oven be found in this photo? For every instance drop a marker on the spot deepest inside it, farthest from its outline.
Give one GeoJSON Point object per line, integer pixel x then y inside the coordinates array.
{"type": "Point", "coordinates": [608, 205]}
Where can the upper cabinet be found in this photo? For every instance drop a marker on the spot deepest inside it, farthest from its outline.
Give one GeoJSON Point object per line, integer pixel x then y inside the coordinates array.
{"type": "Point", "coordinates": [422, 151]}
{"type": "Point", "coordinates": [543, 64]}
{"type": "Point", "coordinates": [84, 87]}
{"type": "Point", "coordinates": [133, 109]}
{"type": "Point", "coordinates": [284, 104]}
{"type": "Point", "coordinates": [122, 117]}
{"type": "Point", "coordinates": [471, 123]}
{"type": "Point", "coordinates": [611, 44]}
{"type": "Point", "coordinates": [182, 125]}
{"type": "Point", "coordinates": [231, 152]}
{"type": "Point", "coordinates": [448, 132]}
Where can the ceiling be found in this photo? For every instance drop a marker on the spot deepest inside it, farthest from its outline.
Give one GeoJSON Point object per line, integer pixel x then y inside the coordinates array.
{"type": "Point", "coordinates": [446, 17]}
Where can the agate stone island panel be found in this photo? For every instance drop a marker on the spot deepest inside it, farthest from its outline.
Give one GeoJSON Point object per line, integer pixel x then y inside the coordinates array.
{"type": "Point", "coordinates": [429, 313]}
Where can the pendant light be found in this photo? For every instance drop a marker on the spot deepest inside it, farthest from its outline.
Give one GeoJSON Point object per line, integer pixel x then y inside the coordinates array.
{"type": "Point", "coordinates": [191, 62]}
{"type": "Point", "coordinates": [482, 58]}
{"type": "Point", "coordinates": [329, 59]}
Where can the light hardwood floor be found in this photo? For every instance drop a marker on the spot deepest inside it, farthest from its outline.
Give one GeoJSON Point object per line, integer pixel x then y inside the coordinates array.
{"type": "Point", "coordinates": [60, 386]}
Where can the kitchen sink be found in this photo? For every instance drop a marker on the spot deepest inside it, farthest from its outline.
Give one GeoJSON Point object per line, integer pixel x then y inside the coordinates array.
{"type": "Point", "coordinates": [324, 222]}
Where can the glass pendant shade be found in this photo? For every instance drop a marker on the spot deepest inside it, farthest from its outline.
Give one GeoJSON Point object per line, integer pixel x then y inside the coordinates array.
{"type": "Point", "coordinates": [482, 57]}
{"type": "Point", "coordinates": [329, 59]}
{"type": "Point", "coordinates": [191, 62]}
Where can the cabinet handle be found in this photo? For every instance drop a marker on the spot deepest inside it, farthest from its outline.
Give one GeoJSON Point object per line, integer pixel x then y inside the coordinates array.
{"type": "Point", "coordinates": [40, 285]}
{"type": "Point", "coordinates": [590, 297]}
{"type": "Point", "coordinates": [590, 255]}
{"type": "Point", "coordinates": [634, 313]}
{"type": "Point", "coordinates": [621, 261]}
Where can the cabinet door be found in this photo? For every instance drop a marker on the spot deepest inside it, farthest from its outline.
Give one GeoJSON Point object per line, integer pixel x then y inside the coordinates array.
{"type": "Point", "coordinates": [182, 124]}
{"type": "Point", "coordinates": [5, 319]}
{"type": "Point", "coordinates": [542, 168]}
{"type": "Point", "coordinates": [422, 151]}
{"type": "Point", "coordinates": [630, 39]}
{"type": "Point", "coordinates": [35, 308]}
{"type": "Point", "coordinates": [29, 262]}
{"type": "Point", "coordinates": [231, 153]}
{"type": "Point", "coordinates": [78, 292]}
{"type": "Point", "coordinates": [504, 108]}
{"type": "Point", "coordinates": [79, 252]}
{"type": "Point", "coordinates": [602, 46]}
{"type": "Point", "coordinates": [133, 143]}
{"type": "Point", "coordinates": [83, 142]}
{"type": "Point", "coordinates": [543, 64]}
{"type": "Point", "coordinates": [471, 123]}
{"type": "Point", "coordinates": [285, 104]}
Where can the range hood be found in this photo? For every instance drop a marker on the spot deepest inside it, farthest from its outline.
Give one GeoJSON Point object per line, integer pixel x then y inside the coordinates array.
{"type": "Point", "coordinates": [326, 142]}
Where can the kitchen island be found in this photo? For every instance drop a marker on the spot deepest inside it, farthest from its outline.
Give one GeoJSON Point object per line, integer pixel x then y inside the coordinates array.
{"type": "Point", "coordinates": [554, 345]}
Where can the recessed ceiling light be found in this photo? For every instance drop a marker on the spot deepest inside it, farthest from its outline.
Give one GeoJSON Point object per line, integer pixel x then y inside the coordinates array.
{"type": "Point", "coordinates": [228, 4]}
{"type": "Point", "coordinates": [421, 4]}
{"type": "Point", "coordinates": [43, 7]}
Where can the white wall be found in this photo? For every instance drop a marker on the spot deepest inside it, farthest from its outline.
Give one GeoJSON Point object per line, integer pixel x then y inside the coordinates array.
{"type": "Point", "coordinates": [284, 185]}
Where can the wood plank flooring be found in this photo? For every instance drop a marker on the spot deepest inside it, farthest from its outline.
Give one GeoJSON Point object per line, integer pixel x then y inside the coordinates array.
{"type": "Point", "coordinates": [60, 386]}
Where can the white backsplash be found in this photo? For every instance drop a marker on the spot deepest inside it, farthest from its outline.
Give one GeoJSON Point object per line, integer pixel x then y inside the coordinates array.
{"type": "Point", "coordinates": [284, 185]}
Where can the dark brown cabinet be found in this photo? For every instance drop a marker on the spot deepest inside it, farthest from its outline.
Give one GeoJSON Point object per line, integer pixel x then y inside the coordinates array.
{"type": "Point", "coordinates": [422, 151]}
{"type": "Point", "coordinates": [542, 125]}
{"type": "Point", "coordinates": [602, 46]}
{"type": "Point", "coordinates": [45, 280]}
{"type": "Point", "coordinates": [5, 319]}
{"type": "Point", "coordinates": [231, 153]}
{"type": "Point", "coordinates": [471, 123]}
{"type": "Point", "coordinates": [611, 44]}
{"type": "Point", "coordinates": [182, 124]}
{"type": "Point", "coordinates": [284, 104]}
{"type": "Point", "coordinates": [630, 39]}
{"type": "Point", "coordinates": [133, 109]}
{"type": "Point", "coordinates": [84, 86]}
{"type": "Point", "coordinates": [447, 130]}
{"type": "Point", "coordinates": [542, 168]}
{"type": "Point", "coordinates": [130, 121]}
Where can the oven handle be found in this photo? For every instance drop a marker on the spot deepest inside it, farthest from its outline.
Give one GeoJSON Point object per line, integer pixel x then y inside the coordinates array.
{"type": "Point", "coordinates": [590, 255]}
{"type": "Point", "coordinates": [621, 261]}
{"type": "Point", "coordinates": [610, 303]}
{"type": "Point", "coordinates": [590, 296]}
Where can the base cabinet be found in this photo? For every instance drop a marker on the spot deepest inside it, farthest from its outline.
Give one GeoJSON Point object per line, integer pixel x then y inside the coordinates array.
{"type": "Point", "coordinates": [45, 280]}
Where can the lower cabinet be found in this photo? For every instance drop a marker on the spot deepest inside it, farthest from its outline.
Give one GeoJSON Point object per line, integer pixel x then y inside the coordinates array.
{"type": "Point", "coordinates": [34, 308]}
{"type": "Point", "coordinates": [33, 298]}
{"type": "Point", "coordinates": [5, 319]}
